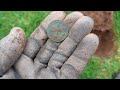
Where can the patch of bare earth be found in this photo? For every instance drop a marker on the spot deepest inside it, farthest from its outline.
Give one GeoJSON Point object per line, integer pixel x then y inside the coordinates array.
{"type": "Point", "coordinates": [104, 29]}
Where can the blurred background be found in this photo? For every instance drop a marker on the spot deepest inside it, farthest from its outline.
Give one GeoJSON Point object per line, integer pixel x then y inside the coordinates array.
{"type": "Point", "coordinates": [105, 63]}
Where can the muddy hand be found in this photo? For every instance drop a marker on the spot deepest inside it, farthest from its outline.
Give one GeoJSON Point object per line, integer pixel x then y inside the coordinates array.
{"type": "Point", "coordinates": [11, 48]}
{"type": "Point", "coordinates": [48, 57]}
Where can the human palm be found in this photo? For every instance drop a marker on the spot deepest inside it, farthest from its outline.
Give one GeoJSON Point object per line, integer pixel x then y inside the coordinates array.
{"type": "Point", "coordinates": [39, 57]}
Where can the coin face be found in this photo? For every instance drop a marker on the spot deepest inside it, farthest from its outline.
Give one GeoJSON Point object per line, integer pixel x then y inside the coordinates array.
{"type": "Point", "coordinates": [57, 31]}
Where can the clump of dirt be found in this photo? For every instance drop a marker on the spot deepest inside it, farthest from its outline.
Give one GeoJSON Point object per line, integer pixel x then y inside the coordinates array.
{"type": "Point", "coordinates": [104, 29]}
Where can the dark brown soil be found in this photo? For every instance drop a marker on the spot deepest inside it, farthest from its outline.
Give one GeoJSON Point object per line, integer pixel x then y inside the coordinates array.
{"type": "Point", "coordinates": [107, 46]}
{"type": "Point", "coordinates": [104, 29]}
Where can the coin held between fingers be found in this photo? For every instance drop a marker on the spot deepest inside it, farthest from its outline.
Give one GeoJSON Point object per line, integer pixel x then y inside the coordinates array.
{"type": "Point", "coordinates": [57, 31]}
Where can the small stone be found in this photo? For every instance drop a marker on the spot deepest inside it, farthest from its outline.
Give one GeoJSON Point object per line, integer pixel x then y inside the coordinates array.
{"type": "Point", "coordinates": [57, 31]}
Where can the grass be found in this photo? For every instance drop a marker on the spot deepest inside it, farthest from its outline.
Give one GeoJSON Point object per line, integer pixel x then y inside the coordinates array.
{"type": "Point", "coordinates": [96, 68]}
{"type": "Point", "coordinates": [28, 21]}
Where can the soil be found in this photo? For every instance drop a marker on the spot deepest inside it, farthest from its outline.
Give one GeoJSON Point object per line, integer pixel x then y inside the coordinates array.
{"type": "Point", "coordinates": [104, 29]}
{"type": "Point", "coordinates": [107, 46]}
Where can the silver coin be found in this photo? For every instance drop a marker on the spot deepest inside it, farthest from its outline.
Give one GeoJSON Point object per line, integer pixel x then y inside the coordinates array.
{"type": "Point", "coordinates": [57, 31]}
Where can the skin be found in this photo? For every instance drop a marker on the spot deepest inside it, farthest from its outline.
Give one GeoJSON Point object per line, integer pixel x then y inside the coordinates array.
{"type": "Point", "coordinates": [41, 58]}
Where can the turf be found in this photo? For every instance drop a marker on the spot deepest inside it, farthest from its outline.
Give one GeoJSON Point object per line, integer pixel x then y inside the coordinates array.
{"type": "Point", "coordinates": [96, 68]}
{"type": "Point", "coordinates": [28, 21]}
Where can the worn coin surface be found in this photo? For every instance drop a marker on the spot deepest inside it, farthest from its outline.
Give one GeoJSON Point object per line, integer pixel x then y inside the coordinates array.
{"type": "Point", "coordinates": [57, 31]}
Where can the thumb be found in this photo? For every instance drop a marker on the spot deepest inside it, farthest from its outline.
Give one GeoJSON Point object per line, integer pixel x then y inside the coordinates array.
{"type": "Point", "coordinates": [11, 47]}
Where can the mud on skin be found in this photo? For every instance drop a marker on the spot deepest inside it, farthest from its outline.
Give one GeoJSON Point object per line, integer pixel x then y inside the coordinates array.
{"type": "Point", "coordinates": [51, 60]}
